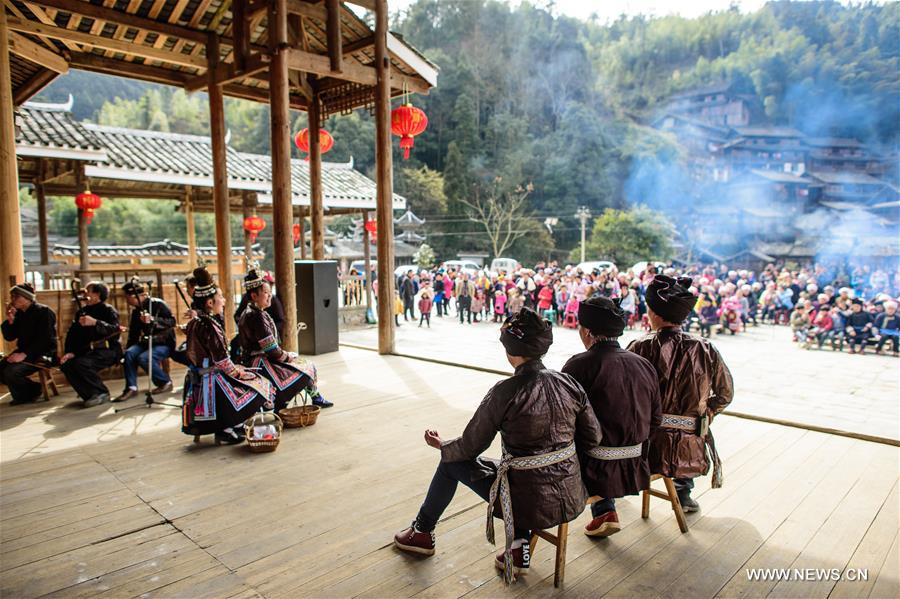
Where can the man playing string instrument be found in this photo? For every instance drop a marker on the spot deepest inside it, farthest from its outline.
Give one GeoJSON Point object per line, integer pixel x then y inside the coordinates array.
{"type": "Point", "coordinates": [149, 316]}
{"type": "Point", "coordinates": [543, 417]}
{"type": "Point", "coordinates": [92, 344]}
{"type": "Point", "coordinates": [32, 326]}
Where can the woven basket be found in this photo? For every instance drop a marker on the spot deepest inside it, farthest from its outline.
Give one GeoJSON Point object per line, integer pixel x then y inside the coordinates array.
{"type": "Point", "coordinates": [299, 416]}
{"type": "Point", "coordinates": [263, 445]}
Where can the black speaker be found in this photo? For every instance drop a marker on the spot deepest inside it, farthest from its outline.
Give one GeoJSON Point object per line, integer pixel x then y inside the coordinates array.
{"type": "Point", "coordinates": [317, 305]}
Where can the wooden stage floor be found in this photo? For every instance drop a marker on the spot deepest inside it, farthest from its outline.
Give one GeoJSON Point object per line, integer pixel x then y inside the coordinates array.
{"type": "Point", "coordinates": [97, 504]}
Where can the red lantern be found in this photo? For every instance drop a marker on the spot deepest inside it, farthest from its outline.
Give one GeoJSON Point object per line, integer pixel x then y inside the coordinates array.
{"type": "Point", "coordinates": [253, 225]}
{"type": "Point", "coordinates": [88, 202]}
{"type": "Point", "coordinates": [326, 142]}
{"type": "Point", "coordinates": [372, 229]}
{"type": "Point", "coordinates": [295, 231]}
{"type": "Point", "coordinates": [407, 121]}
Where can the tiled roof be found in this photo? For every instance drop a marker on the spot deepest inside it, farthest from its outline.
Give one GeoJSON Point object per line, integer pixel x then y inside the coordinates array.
{"type": "Point", "coordinates": [846, 178]}
{"type": "Point", "coordinates": [781, 177]}
{"type": "Point", "coordinates": [408, 220]}
{"type": "Point", "coordinates": [156, 152]}
{"type": "Point", "coordinates": [52, 127]}
{"type": "Point", "coordinates": [767, 132]}
{"type": "Point", "coordinates": [344, 187]}
{"type": "Point", "coordinates": [833, 142]}
{"type": "Point", "coordinates": [157, 248]}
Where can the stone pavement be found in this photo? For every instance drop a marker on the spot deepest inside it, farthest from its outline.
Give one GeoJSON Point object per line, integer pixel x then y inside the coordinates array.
{"type": "Point", "coordinates": [773, 377]}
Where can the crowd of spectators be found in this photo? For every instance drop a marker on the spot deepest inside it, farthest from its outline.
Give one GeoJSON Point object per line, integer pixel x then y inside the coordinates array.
{"type": "Point", "coordinates": [825, 306]}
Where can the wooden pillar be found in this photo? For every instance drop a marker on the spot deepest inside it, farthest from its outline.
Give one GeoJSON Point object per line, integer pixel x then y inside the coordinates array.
{"type": "Point", "coordinates": [315, 182]}
{"type": "Point", "coordinates": [333, 34]}
{"type": "Point", "coordinates": [384, 182]}
{"type": "Point", "coordinates": [84, 258]}
{"type": "Point", "coordinates": [281, 170]}
{"type": "Point", "coordinates": [221, 204]}
{"type": "Point", "coordinates": [191, 229]}
{"type": "Point", "coordinates": [247, 211]}
{"type": "Point", "coordinates": [42, 214]}
{"type": "Point", "coordinates": [12, 261]}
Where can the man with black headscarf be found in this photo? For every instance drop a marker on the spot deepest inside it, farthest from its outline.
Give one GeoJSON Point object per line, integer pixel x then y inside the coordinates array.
{"type": "Point", "coordinates": [545, 420]}
{"type": "Point", "coordinates": [624, 391]}
{"type": "Point", "coordinates": [694, 386]}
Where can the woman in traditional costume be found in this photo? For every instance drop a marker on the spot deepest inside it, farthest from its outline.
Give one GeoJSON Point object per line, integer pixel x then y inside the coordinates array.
{"type": "Point", "coordinates": [260, 350]}
{"type": "Point", "coordinates": [219, 396]}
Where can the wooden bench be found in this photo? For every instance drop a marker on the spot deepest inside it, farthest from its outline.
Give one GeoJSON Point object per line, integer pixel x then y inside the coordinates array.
{"type": "Point", "coordinates": [560, 539]}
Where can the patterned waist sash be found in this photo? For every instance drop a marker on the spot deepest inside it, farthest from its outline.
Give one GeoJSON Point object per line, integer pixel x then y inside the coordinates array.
{"type": "Point", "coordinates": [616, 453]}
{"type": "Point", "coordinates": [501, 488]}
{"type": "Point", "coordinates": [689, 424]}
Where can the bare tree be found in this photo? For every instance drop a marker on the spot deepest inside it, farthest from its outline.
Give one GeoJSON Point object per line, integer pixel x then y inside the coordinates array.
{"type": "Point", "coordinates": [501, 213]}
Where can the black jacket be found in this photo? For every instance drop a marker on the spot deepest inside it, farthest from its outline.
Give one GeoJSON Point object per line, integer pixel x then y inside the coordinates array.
{"type": "Point", "coordinates": [163, 325]}
{"type": "Point", "coordinates": [34, 330]}
{"type": "Point", "coordinates": [276, 311]}
{"type": "Point", "coordinates": [79, 338]}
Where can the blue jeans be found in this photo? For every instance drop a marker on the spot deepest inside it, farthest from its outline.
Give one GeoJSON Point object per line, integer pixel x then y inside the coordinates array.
{"type": "Point", "coordinates": [137, 356]}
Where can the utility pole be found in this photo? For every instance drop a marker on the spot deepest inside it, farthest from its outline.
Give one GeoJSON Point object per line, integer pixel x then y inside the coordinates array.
{"type": "Point", "coordinates": [583, 215]}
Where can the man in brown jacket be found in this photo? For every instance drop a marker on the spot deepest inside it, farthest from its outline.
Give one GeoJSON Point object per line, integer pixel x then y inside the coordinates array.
{"type": "Point", "coordinates": [544, 420]}
{"type": "Point", "coordinates": [694, 384]}
{"type": "Point", "coordinates": [624, 392]}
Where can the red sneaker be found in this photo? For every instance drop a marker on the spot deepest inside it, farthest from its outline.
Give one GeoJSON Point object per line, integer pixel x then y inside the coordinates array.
{"type": "Point", "coordinates": [604, 525]}
{"type": "Point", "coordinates": [415, 541]}
{"type": "Point", "coordinates": [521, 559]}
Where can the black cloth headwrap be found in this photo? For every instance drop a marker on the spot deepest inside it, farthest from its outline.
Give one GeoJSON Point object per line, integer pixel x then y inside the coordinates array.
{"type": "Point", "coordinates": [602, 316]}
{"type": "Point", "coordinates": [671, 298]}
{"type": "Point", "coordinates": [25, 290]}
{"type": "Point", "coordinates": [526, 334]}
{"type": "Point", "coordinates": [133, 287]}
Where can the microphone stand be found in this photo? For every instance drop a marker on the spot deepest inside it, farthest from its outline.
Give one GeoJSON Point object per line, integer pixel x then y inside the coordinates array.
{"type": "Point", "coordinates": [148, 396]}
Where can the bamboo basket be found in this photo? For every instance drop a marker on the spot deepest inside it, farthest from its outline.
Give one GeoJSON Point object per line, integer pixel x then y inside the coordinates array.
{"type": "Point", "coordinates": [295, 416]}
{"type": "Point", "coordinates": [263, 445]}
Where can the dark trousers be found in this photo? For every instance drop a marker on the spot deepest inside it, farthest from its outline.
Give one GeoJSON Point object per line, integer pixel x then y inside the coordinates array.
{"type": "Point", "coordinates": [408, 308]}
{"type": "Point", "coordinates": [894, 340]}
{"type": "Point", "coordinates": [443, 486]}
{"type": "Point", "coordinates": [464, 305]}
{"type": "Point", "coordinates": [599, 508]}
{"type": "Point", "coordinates": [83, 372]}
{"type": "Point", "coordinates": [439, 303]}
{"type": "Point", "coordinates": [425, 317]}
{"type": "Point", "coordinates": [15, 376]}
{"type": "Point", "coordinates": [683, 485]}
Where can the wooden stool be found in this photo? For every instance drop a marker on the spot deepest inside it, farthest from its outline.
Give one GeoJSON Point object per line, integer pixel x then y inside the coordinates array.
{"type": "Point", "coordinates": [48, 385]}
{"type": "Point", "coordinates": [558, 540]}
{"type": "Point", "coordinates": [671, 495]}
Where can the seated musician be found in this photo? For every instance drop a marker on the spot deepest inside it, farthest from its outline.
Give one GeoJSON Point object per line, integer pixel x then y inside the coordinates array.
{"type": "Point", "coordinates": [543, 418]}
{"type": "Point", "coordinates": [260, 350]}
{"type": "Point", "coordinates": [32, 326]}
{"type": "Point", "coordinates": [92, 344]}
{"type": "Point", "coordinates": [161, 325]}
{"type": "Point", "coordinates": [694, 386]}
{"type": "Point", "coordinates": [218, 394]}
{"type": "Point", "coordinates": [624, 392]}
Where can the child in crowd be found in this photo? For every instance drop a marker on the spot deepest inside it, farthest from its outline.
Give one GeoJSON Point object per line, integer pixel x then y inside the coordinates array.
{"type": "Point", "coordinates": [477, 304]}
{"type": "Point", "coordinates": [516, 301]}
{"type": "Point", "coordinates": [425, 303]}
{"type": "Point", "coordinates": [708, 310]}
{"type": "Point", "coordinates": [398, 307]}
{"type": "Point", "coordinates": [800, 323]}
{"type": "Point", "coordinates": [499, 305]}
{"type": "Point", "coordinates": [822, 325]}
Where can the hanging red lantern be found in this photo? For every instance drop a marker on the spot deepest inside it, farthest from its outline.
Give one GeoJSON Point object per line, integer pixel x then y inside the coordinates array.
{"type": "Point", "coordinates": [407, 121]}
{"type": "Point", "coordinates": [326, 142]}
{"type": "Point", "coordinates": [295, 232]}
{"type": "Point", "coordinates": [253, 225]}
{"type": "Point", "coordinates": [371, 227]}
{"type": "Point", "coordinates": [88, 202]}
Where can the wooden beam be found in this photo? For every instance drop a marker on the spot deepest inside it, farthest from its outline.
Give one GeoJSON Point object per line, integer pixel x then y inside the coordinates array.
{"type": "Point", "coordinates": [220, 186]}
{"type": "Point", "coordinates": [319, 64]}
{"type": "Point", "coordinates": [12, 261]}
{"type": "Point", "coordinates": [27, 49]}
{"type": "Point", "coordinates": [111, 66]}
{"type": "Point", "coordinates": [360, 44]}
{"type": "Point", "coordinates": [107, 44]}
{"type": "Point", "coordinates": [240, 33]}
{"type": "Point", "coordinates": [367, 4]}
{"type": "Point", "coordinates": [226, 73]}
{"type": "Point", "coordinates": [306, 9]}
{"type": "Point", "coordinates": [384, 182]}
{"type": "Point", "coordinates": [256, 8]}
{"type": "Point", "coordinates": [42, 214]}
{"type": "Point", "coordinates": [118, 17]}
{"type": "Point", "coordinates": [31, 87]}
{"type": "Point", "coordinates": [84, 257]}
{"type": "Point", "coordinates": [316, 206]}
{"type": "Point", "coordinates": [247, 211]}
{"type": "Point", "coordinates": [333, 34]}
{"type": "Point", "coordinates": [282, 210]}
